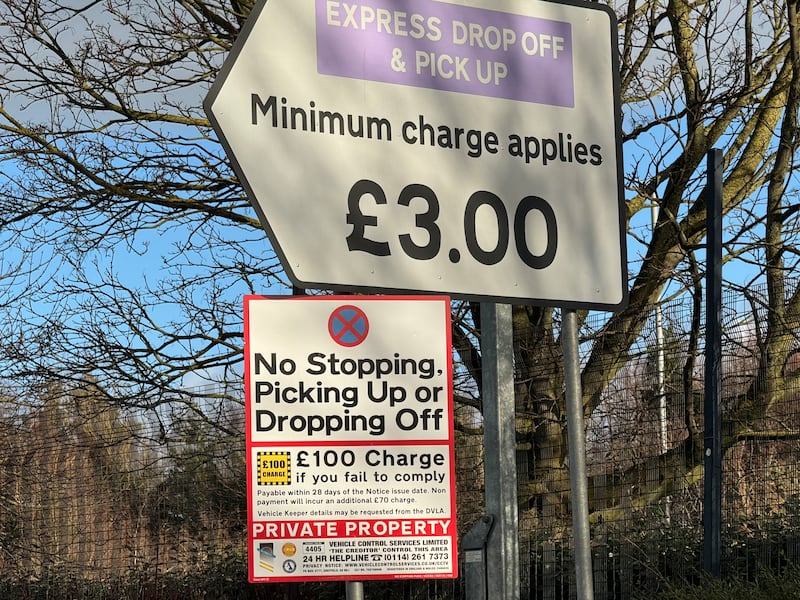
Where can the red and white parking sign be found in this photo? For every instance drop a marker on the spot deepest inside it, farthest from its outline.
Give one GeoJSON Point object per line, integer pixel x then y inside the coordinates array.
{"type": "Point", "coordinates": [349, 438]}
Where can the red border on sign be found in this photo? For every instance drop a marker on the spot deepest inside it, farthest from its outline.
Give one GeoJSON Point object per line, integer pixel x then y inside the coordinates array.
{"type": "Point", "coordinates": [447, 443]}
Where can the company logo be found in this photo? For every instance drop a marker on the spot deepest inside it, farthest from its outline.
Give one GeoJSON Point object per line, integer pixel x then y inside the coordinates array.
{"type": "Point", "coordinates": [289, 549]}
{"type": "Point", "coordinates": [266, 556]}
{"type": "Point", "coordinates": [289, 566]}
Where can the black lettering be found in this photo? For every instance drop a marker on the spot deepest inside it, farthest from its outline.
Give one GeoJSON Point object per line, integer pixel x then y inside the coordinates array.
{"type": "Point", "coordinates": [379, 128]}
{"type": "Point", "coordinates": [580, 153]}
{"type": "Point", "coordinates": [316, 360]}
{"type": "Point", "coordinates": [269, 365]}
{"type": "Point", "coordinates": [318, 121]}
{"type": "Point", "coordinates": [258, 106]}
{"type": "Point", "coordinates": [334, 120]}
{"type": "Point", "coordinates": [597, 158]}
{"type": "Point", "coordinates": [357, 240]}
{"type": "Point", "coordinates": [263, 388]}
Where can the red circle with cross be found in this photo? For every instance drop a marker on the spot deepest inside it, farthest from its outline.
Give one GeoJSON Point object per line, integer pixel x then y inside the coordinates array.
{"type": "Point", "coordinates": [348, 326]}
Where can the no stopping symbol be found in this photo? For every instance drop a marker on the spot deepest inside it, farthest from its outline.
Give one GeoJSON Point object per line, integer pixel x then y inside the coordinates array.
{"type": "Point", "coordinates": [348, 326]}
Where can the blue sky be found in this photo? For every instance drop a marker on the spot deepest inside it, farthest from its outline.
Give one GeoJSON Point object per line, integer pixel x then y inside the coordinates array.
{"type": "Point", "coordinates": [146, 260]}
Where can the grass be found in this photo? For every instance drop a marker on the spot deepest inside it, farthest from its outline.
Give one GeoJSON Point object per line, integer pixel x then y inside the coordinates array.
{"type": "Point", "coordinates": [766, 586]}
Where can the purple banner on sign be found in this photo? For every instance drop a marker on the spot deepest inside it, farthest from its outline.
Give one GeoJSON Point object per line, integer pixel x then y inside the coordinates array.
{"type": "Point", "coordinates": [447, 47]}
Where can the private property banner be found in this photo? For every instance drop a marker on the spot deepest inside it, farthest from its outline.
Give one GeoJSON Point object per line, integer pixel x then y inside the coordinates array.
{"type": "Point", "coordinates": [349, 405]}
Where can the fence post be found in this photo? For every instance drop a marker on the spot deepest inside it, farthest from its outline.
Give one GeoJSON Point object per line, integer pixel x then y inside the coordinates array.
{"type": "Point", "coordinates": [712, 476]}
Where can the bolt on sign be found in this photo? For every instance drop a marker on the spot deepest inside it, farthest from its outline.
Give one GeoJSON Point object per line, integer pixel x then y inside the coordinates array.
{"type": "Point", "coordinates": [349, 439]}
{"type": "Point", "coordinates": [469, 148]}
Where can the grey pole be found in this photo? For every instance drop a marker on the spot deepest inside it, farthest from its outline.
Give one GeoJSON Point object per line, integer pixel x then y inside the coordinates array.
{"type": "Point", "coordinates": [354, 590]}
{"type": "Point", "coordinates": [579, 492]}
{"type": "Point", "coordinates": [500, 454]}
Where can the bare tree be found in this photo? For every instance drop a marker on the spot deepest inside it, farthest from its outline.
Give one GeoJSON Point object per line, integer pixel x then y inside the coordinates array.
{"type": "Point", "coordinates": [694, 76]}
{"type": "Point", "coordinates": [106, 153]}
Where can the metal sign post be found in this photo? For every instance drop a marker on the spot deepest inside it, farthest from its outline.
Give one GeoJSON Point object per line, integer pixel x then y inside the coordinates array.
{"type": "Point", "coordinates": [354, 590]}
{"type": "Point", "coordinates": [579, 493]}
{"type": "Point", "coordinates": [500, 465]}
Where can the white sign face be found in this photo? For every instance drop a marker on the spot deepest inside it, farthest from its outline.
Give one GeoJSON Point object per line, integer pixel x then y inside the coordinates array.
{"type": "Point", "coordinates": [467, 149]}
{"type": "Point", "coordinates": [350, 471]}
